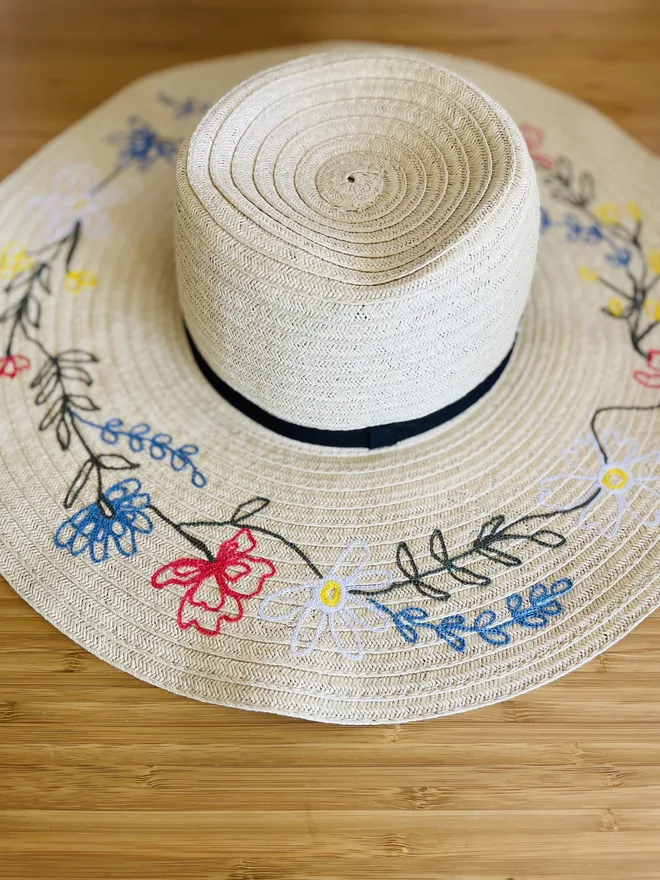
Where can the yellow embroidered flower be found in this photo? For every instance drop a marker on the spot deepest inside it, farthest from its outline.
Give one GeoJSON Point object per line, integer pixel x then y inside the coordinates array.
{"type": "Point", "coordinates": [14, 259]}
{"type": "Point", "coordinates": [652, 309]}
{"type": "Point", "coordinates": [609, 213]}
{"type": "Point", "coordinates": [654, 260]}
{"type": "Point", "coordinates": [635, 211]}
{"type": "Point", "coordinates": [77, 280]}
{"type": "Point", "coordinates": [587, 274]}
{"type": "Point", "coordinates": [615, 306]}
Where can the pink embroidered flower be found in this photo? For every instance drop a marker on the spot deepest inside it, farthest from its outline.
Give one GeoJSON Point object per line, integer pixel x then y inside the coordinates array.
{"type": "Point", "coordinates": [534, 137]}
{"type": "Point", "coordinates": [650, 379]}
{"type": "Point", "coordinates": [13, 364]}
{"type": "Point", "coordinates": [216, 590]}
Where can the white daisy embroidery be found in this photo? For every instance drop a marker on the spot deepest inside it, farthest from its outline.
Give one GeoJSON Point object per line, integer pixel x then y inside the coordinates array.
{"type": "Point", "coordinates": [328, 605]}
{"type": "Point", "coordinates": [621, 481]}
{"type": "Point", "coordinates": [76, 194]}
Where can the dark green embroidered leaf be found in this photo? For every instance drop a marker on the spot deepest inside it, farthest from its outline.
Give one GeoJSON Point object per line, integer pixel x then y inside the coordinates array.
{"type": "Point", "coordinates": [432, 592]}
{"type": "Point", "coordinates": [406, 562]}
{"type": "Point", "coordinates": [248, 509]}
{"type": "Point", "coordinates": [47, 369]}
{"type": "Point", "coordinates": [564, 170]}
{"type": "Point", "coordinates": [32, 312]}
{"type": "Point", "coordinates": [48, 387]}
{"type": "Point", "coordinates": [488, 529]}
{"type": "Point", "coordinates": [76, 374]}
{"type": "Point", "coordinates": [77, 356]}
{"type": "Point", "coordinates": [79, 483]}
{"type": "Point", "coordinates": [496, 555]}
{"type": "Point", "coordinates": [63, 432]}
{"type": "Point", "coordinates": [587, 187]}
{"type": "Point", "coordinates": [105, 507]}
{"type": "Point", "coordinates": [438, 548]}
{"type": "Point", "coordinates": [114, 462]}
{"type": "Point", "coordinates": [52, 413]}
{"type": "Point", "coordinates": [548, 538]}
{"type": "Point", "coordinates": [83, 402]}
{"type": "Point", "coordinates": [467, 576]}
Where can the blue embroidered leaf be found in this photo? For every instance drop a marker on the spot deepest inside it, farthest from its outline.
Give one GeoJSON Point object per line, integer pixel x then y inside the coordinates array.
{"type": "Point", "coordinates": [541, 606]}
{"type": "Point", "coordinates": [449, 630]}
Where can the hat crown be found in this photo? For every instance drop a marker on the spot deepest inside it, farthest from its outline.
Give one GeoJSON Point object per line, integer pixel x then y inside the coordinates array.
{"type": "Point", "coordinates": [356, 235]}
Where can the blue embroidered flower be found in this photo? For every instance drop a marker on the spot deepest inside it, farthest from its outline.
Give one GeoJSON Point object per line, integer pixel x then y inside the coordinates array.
{"type": "Point", "coordinates": [142, 145]}
{"type": "Point", "coordinates": [187, 107]}
{"type": "Point", "coordinates": [96, 531]}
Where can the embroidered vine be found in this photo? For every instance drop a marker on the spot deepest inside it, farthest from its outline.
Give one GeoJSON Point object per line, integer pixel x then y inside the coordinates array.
{"type": "Point", "coordinates": [219, 577]}
{"type": "Point", "coordinates": [64, 379]}
{"type": "Point", "coordinates": [632, 282]}
{"type": "Point", "coordinates": [531, 612]}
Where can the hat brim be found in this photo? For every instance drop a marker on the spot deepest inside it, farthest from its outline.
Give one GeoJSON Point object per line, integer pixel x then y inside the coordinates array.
{"type": "Point", "coordinates": [478, 561]}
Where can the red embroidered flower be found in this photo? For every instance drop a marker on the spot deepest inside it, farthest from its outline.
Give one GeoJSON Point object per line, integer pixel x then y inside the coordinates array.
{"type": "Point", "coordinates": [534, 137]}
{"type": "Point", "coordinates": [13, 364]}
{"type": "Point", "coordinates": [652, 378]}
{"type": "Point", "coordinates": [217, 590]}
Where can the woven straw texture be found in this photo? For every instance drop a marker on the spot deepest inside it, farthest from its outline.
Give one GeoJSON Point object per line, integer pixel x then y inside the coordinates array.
{"type": "Point", "coordinates": [378, 215]}
{"type": "Point", "coordinates": [176, 539]}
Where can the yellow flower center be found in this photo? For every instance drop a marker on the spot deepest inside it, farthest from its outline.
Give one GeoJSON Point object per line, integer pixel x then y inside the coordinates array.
{"type": "Point", "coordinates": [652, 309]}
{"type": "Point", "coordinates": [615, 306]}
{"type": "Point", "coordinates": [80, 204]}
{"type": "Point", "coordinates": [331, 594]}
{"type": "Point", "coordinates": [77, 280]}
{"type": "Point", "coordinates": [615, 478]}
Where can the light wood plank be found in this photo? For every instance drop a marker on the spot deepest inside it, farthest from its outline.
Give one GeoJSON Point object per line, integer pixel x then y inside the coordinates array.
{"type": "Point", "coordinates": [103, 777]}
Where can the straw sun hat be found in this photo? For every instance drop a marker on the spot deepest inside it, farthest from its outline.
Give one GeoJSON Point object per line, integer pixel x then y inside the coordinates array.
{"type": "Point", "coordinates": [304, 411]}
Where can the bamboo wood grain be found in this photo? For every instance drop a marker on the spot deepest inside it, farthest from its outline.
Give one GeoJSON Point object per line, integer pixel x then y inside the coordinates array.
{"type": "Point", "coordinates": [104, 777]}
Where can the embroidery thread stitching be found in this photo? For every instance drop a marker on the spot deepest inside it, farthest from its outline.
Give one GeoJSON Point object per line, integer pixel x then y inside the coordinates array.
{"type": "Point", "coordinates": [543, 605]}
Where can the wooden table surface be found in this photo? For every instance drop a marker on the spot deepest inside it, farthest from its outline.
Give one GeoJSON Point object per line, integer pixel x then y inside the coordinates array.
{"type": "Point", "coordinates": [102, 776]}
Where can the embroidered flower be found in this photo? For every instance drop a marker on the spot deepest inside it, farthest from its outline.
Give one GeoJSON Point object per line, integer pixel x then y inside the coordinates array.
{"type": "Point", "coordinates": [534, 137]}
{"type": "Point", "coordinates": [627, 483]}
{"type": "Point", "coordinates": [327, 604]}
{"type": "Point", "coordinates": [187, 107]}
{"type": "Point", "coordinates": [652, 308]}
{"type": "Point", "coordinates": [216, 590]}
{"type": "Point", "coordinates": [96, 531]}
{"type": "Point", "coordinates": [589, 274]}
{"type": "Point", "coordinates": [654, 260]}
{"type": "Point", "coordinates": [609, 213]}
{"type": "Point", "coordinates": [75, 195]}
{"type": "Point", "coordinates": [650, 378]}
{"type": "Point", "coordinates": [77, 280]}
{"type": "Point", "coordinates": [141, 145]}
{"type": "Point", "coordinates": [14, 259]}
{"type": "Point", "coordinates": [13, 364]}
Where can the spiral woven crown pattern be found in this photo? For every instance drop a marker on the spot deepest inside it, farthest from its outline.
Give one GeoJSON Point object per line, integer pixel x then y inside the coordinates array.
{"type": "Point", "coordinates": [356, 235]}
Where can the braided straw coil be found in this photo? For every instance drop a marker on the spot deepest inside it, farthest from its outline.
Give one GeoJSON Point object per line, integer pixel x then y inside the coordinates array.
{"type": "Point", "coordinates": [355, 235]}
{"type": "Point", "coordinates": [175, 537]}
